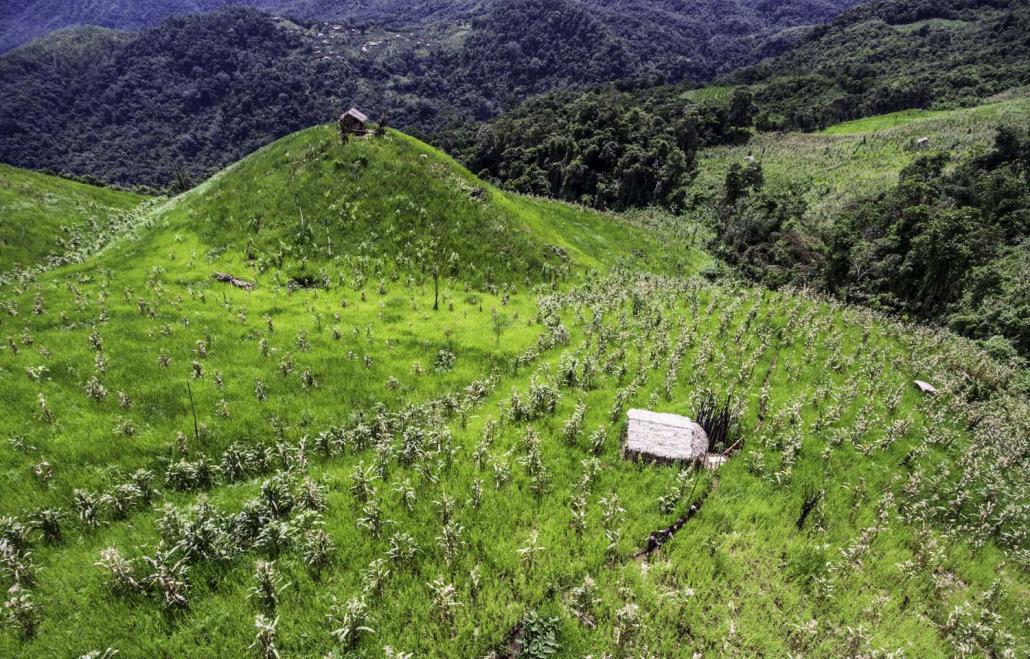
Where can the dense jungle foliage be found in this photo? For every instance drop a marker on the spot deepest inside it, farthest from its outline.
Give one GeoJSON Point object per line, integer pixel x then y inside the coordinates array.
{"type": "Point", "coordinates": [609, 148]}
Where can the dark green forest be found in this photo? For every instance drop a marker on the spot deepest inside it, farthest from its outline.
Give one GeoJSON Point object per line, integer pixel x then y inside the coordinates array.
{"type": "Point", "coordinates": [196, 93]}
{"type": "Point", "coordinates": [614, 148]}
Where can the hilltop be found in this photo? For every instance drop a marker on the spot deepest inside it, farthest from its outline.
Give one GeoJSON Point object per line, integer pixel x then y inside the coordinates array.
{"type": "Point", "coordinates": [391, 206]}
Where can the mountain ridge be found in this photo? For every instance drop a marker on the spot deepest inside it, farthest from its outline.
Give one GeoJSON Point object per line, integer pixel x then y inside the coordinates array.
{"type": "Point", "coordinates": [198, 92]}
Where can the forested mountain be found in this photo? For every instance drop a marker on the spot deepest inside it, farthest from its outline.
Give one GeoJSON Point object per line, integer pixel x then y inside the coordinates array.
{"type": "Point", "coordinates": [888, 55]}
{"type": "Point", "coordinates": [198, 92]}
{"type": "Point", "coordinates": [35, 18]}
{"type": "Point", "coordinates": [661, 24]}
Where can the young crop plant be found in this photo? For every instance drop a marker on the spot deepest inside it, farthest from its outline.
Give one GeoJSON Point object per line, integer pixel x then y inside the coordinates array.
{"type": "Point", "coordinates": [267, 585]}
{"type": "Point", "coordinates": [350, 622]}
{"type": "Point", "coordinates": [265, 637]}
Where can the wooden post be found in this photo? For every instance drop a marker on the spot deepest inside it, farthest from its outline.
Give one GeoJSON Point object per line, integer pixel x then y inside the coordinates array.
{"type": "Point", "coordinates": [436, 289]}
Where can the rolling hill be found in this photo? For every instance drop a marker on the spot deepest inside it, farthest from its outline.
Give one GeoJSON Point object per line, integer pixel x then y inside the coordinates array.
{"type": "Point", "coordinates": [46, 217]}
{"type": "Point", "coordinates": [306, 467]}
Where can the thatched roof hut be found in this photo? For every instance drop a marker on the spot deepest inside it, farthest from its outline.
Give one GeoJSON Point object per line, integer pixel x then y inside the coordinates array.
{"type": "Point", "coordinates": [660, 437]}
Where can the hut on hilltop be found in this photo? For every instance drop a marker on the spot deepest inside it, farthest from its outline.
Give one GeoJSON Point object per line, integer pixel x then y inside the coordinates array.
{"type": "Point", "coordinates": [353, 121]}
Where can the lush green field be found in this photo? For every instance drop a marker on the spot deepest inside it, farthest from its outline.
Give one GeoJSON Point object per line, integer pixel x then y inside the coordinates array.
{"type": "Point", "coordinates": [449, 481]}
{"type": "Point", "coordinates": [42, 216]}
{"type": "Point", "coordinates": [859, 158]}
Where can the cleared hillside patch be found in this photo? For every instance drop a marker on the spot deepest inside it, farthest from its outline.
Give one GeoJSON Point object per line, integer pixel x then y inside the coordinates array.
{"type": "Point", "coordinates": [858, 158]}
{"type": "Point", "coordinates": [469, 514]}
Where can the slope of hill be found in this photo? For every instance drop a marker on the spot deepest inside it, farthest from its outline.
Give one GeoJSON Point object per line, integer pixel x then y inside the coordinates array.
{"type": "Point", "coordinates": [45, 216]}
{"type": "Point", "coordinates": [307, 213]}
{"type": "Point", "coordinates": [919, 213]}
{"type": "Point", "coordinates": [196, 469]}
{"type": "Point", "coordinates": [892, 55]}
{"type": "Point", "coordinates": [848, 161]}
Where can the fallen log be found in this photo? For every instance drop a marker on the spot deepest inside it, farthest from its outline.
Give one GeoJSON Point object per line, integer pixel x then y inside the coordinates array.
{"type": "Point", "coordinates": [233, 281]}
{"type": "Point", "coordinates": [660, 537]}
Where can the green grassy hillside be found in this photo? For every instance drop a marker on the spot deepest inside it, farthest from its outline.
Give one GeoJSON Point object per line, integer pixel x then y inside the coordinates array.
{"type": "Point", "coordinates": [377, 227]}
{"type": "Point", "coordinates": [43, 216]}
{"type": "Point", "coordinates": [859, 158]}
{"type": "Point", "coordinates": [193, 469]}
{"type": "Point", "coordinates": [395, 203]}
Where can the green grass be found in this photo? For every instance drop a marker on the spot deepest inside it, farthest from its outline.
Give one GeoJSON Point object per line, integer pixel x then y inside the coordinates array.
{"type": "Point", "coordinates": [803, 376]}
{"type": "Point", "coordinates": [307, 200]}
{"type": "Point", "coordinates": [859, 158]}
{"type": "Point", "coordinates": [44, 215]}
{"type": "Point", "coordinates": [935, 24]}
{"type": "Point", "coordinates": [886, 121]}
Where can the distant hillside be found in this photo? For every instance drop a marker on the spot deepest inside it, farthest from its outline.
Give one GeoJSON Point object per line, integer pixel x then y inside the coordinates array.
{"type": "Point", "coordinates": [892, 55]}
{"type": "Point", "coordinates": [196, 93]}
{"type": "Point", "coordinates": [843, 163]}
{"type": "Point", "coordinates": [860, 66]}
{"type": "Point", "coordinates": [45, 215]}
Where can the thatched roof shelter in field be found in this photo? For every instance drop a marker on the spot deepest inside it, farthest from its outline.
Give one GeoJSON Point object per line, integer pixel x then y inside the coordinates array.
{"type": "Point", "coordinates": [660, 437]}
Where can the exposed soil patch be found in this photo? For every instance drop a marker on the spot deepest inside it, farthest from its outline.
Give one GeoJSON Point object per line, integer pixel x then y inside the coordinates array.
{"type": "Point", "coordinates": [305, 281]}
